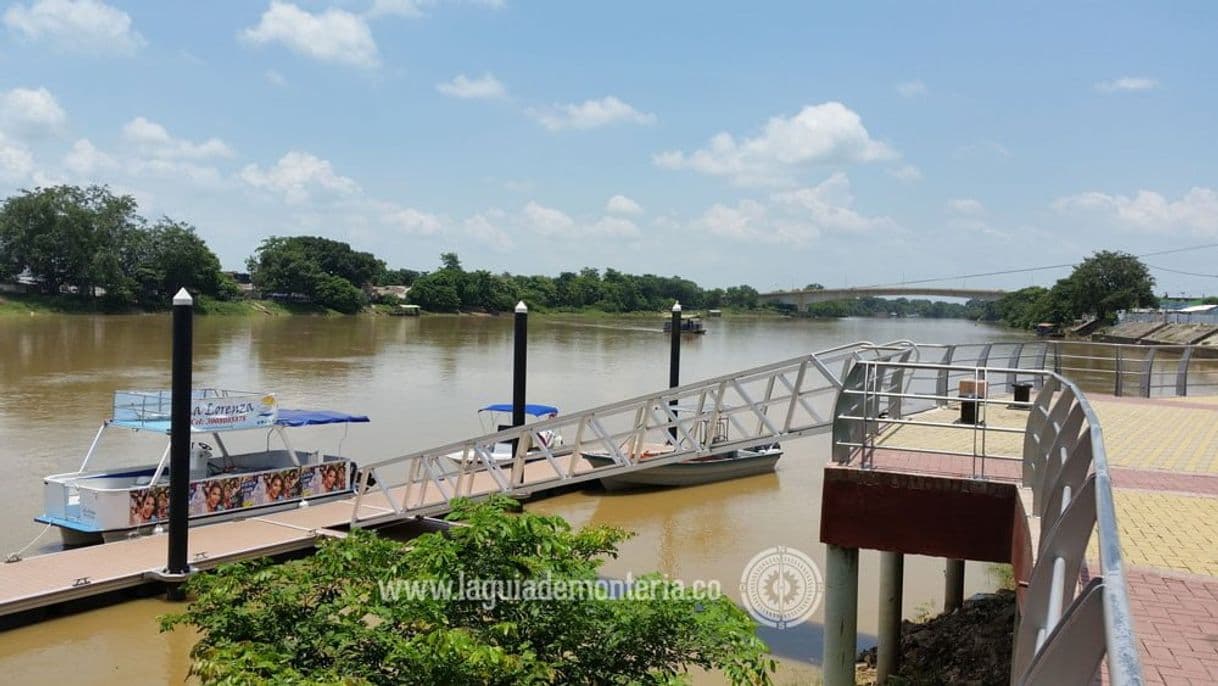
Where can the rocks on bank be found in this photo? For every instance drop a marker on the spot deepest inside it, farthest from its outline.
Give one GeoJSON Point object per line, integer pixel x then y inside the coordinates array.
{"type": "Point", "coordinates": [971, 646]}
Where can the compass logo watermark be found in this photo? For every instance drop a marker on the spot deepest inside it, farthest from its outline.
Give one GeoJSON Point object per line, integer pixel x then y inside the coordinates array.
{"type": "Point", "coordinates": [781, 587]}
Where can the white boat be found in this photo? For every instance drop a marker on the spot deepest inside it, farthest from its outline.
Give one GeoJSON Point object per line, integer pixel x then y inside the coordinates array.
{"type": "Point", "coordinates": [700, 470]}
{"type": "Point", "coordinates": [90, 505]}
{"type": "Point", "coordinates": [732, 464]}
{"type": "Point", "coordinates": [502, 453]}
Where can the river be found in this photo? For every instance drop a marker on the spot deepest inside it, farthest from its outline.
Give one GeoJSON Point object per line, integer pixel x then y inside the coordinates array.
{"type": "Point", "coordinates": [420, 380]}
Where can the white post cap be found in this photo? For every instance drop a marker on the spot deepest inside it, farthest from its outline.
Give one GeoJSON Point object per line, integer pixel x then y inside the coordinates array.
{"type": "Point", "coordinates": [183, 298]}
{"type": "Point", "coordinates": [676, 306]}
{"type": "Point", "coordinates": [521, 308]}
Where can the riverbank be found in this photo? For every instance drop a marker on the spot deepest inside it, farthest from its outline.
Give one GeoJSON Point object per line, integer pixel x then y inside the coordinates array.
{"type": "Point", "coordinates": [1159, 333]}
{"type": "Point", "coordinates": [33, 305]}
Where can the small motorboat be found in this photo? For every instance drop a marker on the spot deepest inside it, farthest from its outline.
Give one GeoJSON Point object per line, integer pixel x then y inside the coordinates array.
{"type": "Point", "coordinates": [93, 505]}
{"type": "Point", "coordinates": [492, 418]}
{"type": "Point", "coordinates": [700, 470]}
{"type": "Point", "coordinates": [732, 464]}
{"type": "Point", "coordinates": [689, 324]}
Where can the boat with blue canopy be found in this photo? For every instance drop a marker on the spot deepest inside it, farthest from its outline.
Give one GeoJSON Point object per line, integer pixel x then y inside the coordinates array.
{"type": "Point", "coordinates": [90, 505]}
{"type": "Point", "coordinates": [492, 419]}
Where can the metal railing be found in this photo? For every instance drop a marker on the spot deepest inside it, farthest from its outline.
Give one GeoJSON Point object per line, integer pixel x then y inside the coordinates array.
{"type": "Point", "coordinates": [761, 406]}
{"type": "Point", "coordinates": [1112, 368]}
{"type": "Point", "coordinates": [1065, 630]}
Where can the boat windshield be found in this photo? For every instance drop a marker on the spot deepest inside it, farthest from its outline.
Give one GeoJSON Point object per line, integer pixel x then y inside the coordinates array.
{"type": "Point", "coordinates": [215, 410]}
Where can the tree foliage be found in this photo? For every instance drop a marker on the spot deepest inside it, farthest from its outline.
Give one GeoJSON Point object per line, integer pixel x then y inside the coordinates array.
{"type": "Point", "coordinates": [327, 619]}
{"type": "Point", "coordinates": [1099, 286]}
{"type": "Point", "coordinates": [324, 271]}
{"type": "Point", "coordinates": [94, 243]}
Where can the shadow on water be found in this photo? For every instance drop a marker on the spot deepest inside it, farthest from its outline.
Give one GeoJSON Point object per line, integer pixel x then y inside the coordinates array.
{"type": "Point", "coordinates": [804, 643]}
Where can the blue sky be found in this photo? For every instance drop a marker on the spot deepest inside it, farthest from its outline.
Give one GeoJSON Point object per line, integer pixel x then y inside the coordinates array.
{"type": "Point", "coordinates": [773, 144]}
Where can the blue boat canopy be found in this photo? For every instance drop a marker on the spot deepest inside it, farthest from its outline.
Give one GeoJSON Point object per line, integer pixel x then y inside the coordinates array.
{"type": "Point", "coordinates": [529, 409]}
{"type": "Point", "coordinates": [316, 417]}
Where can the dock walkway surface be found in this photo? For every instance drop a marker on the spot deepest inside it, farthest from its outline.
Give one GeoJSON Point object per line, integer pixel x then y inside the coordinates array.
{"type": "Point", "coordinates": [1164, 458]}
{"type": "Point", "coordinates": [53, 578]}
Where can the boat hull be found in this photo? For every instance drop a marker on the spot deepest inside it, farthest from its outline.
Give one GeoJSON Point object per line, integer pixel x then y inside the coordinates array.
{"type": "Point", "coordinates": [72, 537]}
{"type": "Point", "coordinates": [690, 473]}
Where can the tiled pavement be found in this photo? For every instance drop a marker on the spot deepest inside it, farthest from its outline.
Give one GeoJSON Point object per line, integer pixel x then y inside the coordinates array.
{"type": "Point", "coordinates": [1164, 454]}
{"type": "Point", "coordinates": [1177, 624]}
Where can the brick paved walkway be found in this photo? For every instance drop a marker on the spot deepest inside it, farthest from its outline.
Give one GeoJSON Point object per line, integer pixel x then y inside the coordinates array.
{"type": "Point", "coordinates": [1164, 454]}
{"type": "Point", "coordinates": [1177, 624]}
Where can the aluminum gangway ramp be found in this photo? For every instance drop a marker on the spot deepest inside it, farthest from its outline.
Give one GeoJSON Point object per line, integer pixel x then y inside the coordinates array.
{"type": "Point", "coordinates": [746, 409]}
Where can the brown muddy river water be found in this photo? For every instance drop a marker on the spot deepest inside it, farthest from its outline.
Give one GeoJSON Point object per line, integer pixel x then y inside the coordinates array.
{"type": "Point", "coordinates": [421, 380]}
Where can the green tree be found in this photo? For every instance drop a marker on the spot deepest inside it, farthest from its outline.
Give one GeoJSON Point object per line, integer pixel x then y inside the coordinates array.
{"type": "Point", "coordinates": [439, 291]}
{"type": "Point", "coordinates": [337, 293]}
{"type": "Point", "coordinates": [449, 260]}
{"type": "Point", "coordinates": [329, 618]}
{"type": "Point", "coordinates": [68, 236]}
{"type": "Point", "coordinates": [172, 256]}
{"type": "Point", "coordinates": [742, 297]}
{"type": "Point", "coordinates": [311, 267]}
{"type": "Point", "coordinates": [1110, 281]}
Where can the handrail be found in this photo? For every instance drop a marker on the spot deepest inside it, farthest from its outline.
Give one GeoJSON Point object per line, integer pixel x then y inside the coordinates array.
{"type": "Point", "coordinates": [760, 406]}
{"type": "Point", "coordinates": [1114, 368]}
{"type": "Point", "coordinates": [1066, 470]}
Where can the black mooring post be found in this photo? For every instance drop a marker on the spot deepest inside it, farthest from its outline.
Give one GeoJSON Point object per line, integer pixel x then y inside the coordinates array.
{"type": "Point", "coordinates": [179, 438]}
{"type": "Point", "coordinates": [518, 365]}
{"type": "Point", "coordinates": [674, 361]}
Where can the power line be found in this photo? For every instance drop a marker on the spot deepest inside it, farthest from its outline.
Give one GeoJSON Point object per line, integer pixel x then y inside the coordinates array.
{"type": "Point", "coordinates": [1181, 271]}
{"type": "Point", "coordinates": [1049, 266]}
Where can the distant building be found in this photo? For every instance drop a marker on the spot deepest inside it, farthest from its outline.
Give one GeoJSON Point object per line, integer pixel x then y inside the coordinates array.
{"type": "Point", "coordinates": [245, 284]}
{"type": "Point", "coordinates": [389, 292]}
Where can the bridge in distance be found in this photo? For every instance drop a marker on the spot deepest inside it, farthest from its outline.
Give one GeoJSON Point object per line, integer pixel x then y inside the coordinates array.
{"type": "Point", "coordinates": [802, 298]}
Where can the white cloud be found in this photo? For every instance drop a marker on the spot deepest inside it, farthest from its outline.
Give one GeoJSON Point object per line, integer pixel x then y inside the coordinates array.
{"type": "Point", "coordinates": [412, 222]}
{"type": "Point", "coordinates": [547, 221]}
{"type": "Point", "coordinates": [275, 78]}
{"type": "Point", "coordinates": [553, 223]}
{"type": "Point", "coordinates": [906, 173]}
{"type": "Point", "coordinates": [413, 9]}
{"type": "Point", "coordinates": [911, 89]}
{"type": "Point", "coordinates": [620, 204]}
{"type": "Point", "coordinates": [177, 170]}
{"type": "Point", "coordinates": [829, 133]}
{"type": "Point", "coordinates": [485, 87]}
{"type": "Point", "coordinates": [154, 140]}
{"type": "Point", "coordinates": [334, 35]}
{"type": "Point", "coordinates": [591, 114]}
{"type": "Point", "coordinates": [395, 8]}
{"type": "Point", "coordinates": [85, 159]}
{"type": "Point", "coordinates": [85, 26]}
{"type": "Point", "coordinates": [297, 176]}
{"type": "Point", "coordinates": [1196, 210]}
{"type": "Point", "coordinates": [16, 162]}
{"type": "Point", "coordinates": [794, 217]}
{"type": "Point", "coordinates": [615, 227]}
{"type": "Point", "coordinates": [30, 112]}
{"type": "Point", "coordinates": [485, 228]}
{"type": "Point", "coordinates": [1127, 84]}
{"type": "Point", "coordinates": [965, 207]}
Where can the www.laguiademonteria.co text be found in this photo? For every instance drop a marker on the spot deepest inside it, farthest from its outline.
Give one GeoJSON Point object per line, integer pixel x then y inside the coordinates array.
{"type": "Point", "coordinates": [490, 592]}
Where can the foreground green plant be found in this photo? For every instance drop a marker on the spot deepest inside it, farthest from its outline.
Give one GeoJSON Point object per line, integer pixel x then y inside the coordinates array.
{"type": "Point", "coordinates": [325, 619]}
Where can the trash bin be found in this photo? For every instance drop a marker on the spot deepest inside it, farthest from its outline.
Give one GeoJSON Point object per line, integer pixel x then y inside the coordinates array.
{"type": "Point", "coordinates": [1023, 391]}
{"type": "Point", "coordinates": [968, 408]}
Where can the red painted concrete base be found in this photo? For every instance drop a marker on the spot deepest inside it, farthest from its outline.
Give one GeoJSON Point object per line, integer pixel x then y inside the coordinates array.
{"type": "Point", "coordinates": [919, 514]}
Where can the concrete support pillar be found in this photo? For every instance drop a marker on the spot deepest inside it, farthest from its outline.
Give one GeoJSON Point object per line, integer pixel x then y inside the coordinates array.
{"type": "Point", "coordinates": [841, 614]}
{"type": "Point", "coordinates": [953, 590]}
{"type": "Point", "coordinates": [888, 653]}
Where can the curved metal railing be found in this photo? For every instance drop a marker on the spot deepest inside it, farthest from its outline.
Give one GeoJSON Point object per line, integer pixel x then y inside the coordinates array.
{"type": "Point", "coordinates": [1066, 629]}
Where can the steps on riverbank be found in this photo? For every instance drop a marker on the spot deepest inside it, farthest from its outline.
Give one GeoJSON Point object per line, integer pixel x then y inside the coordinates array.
{"type": "Point", "coordinates": [1159, 333]}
